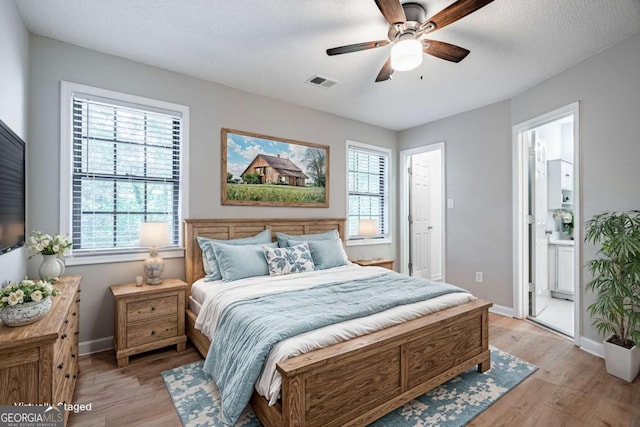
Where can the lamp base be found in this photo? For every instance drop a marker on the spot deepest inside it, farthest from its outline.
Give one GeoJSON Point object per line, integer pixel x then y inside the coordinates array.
{"type": "Point", "coordinates": [152, 280]}
{"type": "Point", "coordinates": [153, 268]}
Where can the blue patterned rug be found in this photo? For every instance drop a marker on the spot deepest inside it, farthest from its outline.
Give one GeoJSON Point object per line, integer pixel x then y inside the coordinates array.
{"type": "Point", "coordinates": [454, 403]}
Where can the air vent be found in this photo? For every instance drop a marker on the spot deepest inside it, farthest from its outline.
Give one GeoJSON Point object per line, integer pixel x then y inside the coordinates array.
{"type": "Point", "coordinates": [320, 81]}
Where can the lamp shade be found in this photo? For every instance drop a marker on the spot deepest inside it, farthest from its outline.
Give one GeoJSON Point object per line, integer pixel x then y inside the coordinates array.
{"type": "Point", "coordinates": [154, 233]}
{"type": "Point", "coordinates": [406, 55]}
{"type": "Point", "coordinates": [368, 228]}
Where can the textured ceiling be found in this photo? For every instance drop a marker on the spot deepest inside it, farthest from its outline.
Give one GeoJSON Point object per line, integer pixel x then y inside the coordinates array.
{"type": "Point", "coordinates": [272, 47]}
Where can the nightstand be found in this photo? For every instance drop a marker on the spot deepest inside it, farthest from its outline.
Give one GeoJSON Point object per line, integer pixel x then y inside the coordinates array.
{"type": "Point", "coordinates": [380, 262]}
{"type": "Point", "coordinates": [148, 317]}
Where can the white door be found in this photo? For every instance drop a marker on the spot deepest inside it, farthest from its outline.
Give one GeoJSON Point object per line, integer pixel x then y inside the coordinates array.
{"type": "Point", "coordinates": [420, 215]}
{"type": "Point", "coordinates": [542, 242]}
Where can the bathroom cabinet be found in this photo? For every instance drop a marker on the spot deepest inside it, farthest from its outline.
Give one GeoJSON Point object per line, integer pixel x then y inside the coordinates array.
{"type": "Point", "coordinates": [559, 184]}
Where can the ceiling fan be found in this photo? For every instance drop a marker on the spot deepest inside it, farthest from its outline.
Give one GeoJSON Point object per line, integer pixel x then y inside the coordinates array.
{"type": "Point", "coordinates": [407, 24]}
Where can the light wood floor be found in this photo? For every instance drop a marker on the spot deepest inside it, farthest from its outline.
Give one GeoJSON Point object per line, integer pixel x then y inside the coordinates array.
{"type": "Point", "coordinates": [570, 388]}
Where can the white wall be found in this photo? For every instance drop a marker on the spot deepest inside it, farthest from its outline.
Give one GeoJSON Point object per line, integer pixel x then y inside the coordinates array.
{"type": "Point", "coordinates": [212, 107]}
{"type": "Point", "coordinates": [14, 76]}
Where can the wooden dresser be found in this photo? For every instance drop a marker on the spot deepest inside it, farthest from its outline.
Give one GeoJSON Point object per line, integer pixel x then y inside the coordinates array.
{"type": "Point", "coordinates": [39, 361]}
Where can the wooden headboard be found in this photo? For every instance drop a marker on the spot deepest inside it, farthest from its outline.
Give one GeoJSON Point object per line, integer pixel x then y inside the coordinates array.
{"type": "Point", "coordinates": [225, 229]}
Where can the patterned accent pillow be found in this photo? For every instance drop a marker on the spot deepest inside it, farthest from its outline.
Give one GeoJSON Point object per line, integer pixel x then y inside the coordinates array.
{"type": "Point", "coordinates": [294, 259]}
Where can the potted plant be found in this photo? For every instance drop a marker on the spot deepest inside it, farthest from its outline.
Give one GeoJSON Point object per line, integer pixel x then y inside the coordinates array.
{"type": "Point", "coordinates": [616, 283]}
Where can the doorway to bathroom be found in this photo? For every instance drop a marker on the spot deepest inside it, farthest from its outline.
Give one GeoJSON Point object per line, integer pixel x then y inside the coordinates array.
{"type": "Point", "coordinates": [546, 197]}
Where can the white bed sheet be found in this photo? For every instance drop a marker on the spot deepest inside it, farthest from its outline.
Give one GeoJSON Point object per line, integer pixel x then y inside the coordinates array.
{"type": "Point", "coordinates": [213, 297]}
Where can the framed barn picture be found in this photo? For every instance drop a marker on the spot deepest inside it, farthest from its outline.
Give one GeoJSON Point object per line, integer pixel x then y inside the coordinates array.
{"type": "Point", "coordinates": [261, 170]}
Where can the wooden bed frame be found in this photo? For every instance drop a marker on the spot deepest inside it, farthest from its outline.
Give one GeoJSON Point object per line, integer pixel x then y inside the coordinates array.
{"type": "Point", "coordinates": [360, 380]}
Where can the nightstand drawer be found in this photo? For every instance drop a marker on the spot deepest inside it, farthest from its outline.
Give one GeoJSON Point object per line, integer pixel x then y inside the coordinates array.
{"type": "Point", "coordinates": [152, 330]}
{"type": "Point", "coordinates": [152, 308]}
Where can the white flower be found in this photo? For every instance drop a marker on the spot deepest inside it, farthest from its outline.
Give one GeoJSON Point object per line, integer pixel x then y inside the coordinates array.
{"type": "Point", "coordinates": [5, 299]}
{"type": "Point", "coordinates": [48, 287]}
{"type": "Point", "coordinates": [56, 248]}
{"type": "Point", "coordinates": [13, 299]}
{"type": "Point", "coordinates": [27, 282]}
{"type": "Point", "coordinates": [36, 296]}
{"type": "Point", "coordinates": [19, 293]}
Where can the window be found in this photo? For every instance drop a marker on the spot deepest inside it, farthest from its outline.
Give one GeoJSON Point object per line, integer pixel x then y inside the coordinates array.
{"type": "Point", "coordinates": [368, 192]}
{"type": "Point", "coordinates": [124, 159]}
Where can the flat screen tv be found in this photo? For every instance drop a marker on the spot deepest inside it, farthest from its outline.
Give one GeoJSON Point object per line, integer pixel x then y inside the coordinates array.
{"type": "Point", "coordinates": [12, 190]}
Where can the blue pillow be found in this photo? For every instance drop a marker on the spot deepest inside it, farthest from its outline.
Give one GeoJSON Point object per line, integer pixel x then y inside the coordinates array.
{"type": "Point", "coordinates": [326, 253]}
{"type": "Point", "coordinates": [209, 261]}
{"type": "Point", "coordinates": [294, 259]}
{"type": "Point", "coordinates": [240, 261]}
{"type": "Point", "coordinates": [283, 238]}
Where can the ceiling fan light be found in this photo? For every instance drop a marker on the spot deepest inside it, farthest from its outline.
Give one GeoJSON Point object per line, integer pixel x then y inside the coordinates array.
{"type": "Point", "coordinates": [406, 55]}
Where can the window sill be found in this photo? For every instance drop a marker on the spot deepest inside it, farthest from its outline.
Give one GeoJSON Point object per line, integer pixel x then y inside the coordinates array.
{"type": "Point", "coordinates": [368, 242]}
{"type": "Point", "coordinates": [105, 258]}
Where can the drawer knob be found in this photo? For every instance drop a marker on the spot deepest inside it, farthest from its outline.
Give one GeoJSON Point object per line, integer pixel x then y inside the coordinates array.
{"type": "Point", "coordinates": [67, 375]}
{"type": "Point", "coordinates": [73, 355]}
{"type": "Point", "coordinates": [63, 336]}
{"type": "Point", "coordinates": [78, 300]}
{"type": "Point", "coordinates": [66, 321]}
{"type": "Point", "coordinates": [153, 308]}
{"type": "Point", "coordinates": [153, 332]}
{"type": "Point", "coordinates": [60, 366]}
{"type": "Point", "coordinates": [76, 333]}
{"type": "Point", "coordinates": [73, 314]}
{"type": "Point", "coordinates": [75, 376]}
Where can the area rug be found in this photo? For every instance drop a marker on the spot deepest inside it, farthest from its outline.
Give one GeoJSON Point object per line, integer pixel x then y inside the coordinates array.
{"type": "Point", "coordinates": [454, 403]}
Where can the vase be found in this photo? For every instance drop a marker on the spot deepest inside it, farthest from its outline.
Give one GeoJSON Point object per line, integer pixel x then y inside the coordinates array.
{"type": "Point", "coordinates": [23, 314]}
{"type": "Point", "coordinates": [52, 267]}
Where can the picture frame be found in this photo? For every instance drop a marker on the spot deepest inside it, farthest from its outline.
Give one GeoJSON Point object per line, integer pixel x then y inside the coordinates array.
{"type": "Point", "coordinates": [262, 170]}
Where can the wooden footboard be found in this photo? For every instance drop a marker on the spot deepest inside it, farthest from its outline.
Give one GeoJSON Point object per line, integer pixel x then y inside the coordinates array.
{"type": "Point", "coordinates": [360, 380]}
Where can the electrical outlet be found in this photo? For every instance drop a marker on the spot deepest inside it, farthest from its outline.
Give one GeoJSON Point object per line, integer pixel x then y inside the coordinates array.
{"type": "Point", "coordinates": [450, 203]}
{"type": "Point", "coordinates": [479, 277]}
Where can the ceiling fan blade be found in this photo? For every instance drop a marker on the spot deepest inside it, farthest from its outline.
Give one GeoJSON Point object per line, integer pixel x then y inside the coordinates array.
{"type": "Point", "coordinates": [392, 11]}
{"type": "Point", "coordinates": [386, 72]}
{"type": "Point", "coordinates": [443, 50]}
{"type": "Point", "coordinates": [455, 11]}
{"type": "Point", "coordinates": [356, 47]}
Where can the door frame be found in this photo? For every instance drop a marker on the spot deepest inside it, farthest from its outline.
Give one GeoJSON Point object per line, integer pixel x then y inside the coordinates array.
{"type": "Point", "coordinates": [520, 222]}
{"type": "Point", "coordinates": [404, 204]}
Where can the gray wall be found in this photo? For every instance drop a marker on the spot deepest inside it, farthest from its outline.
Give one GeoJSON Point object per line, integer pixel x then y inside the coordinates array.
{"type": "Point", "coordinates": [14, 76]}
{"type": "Point", "coordinates": [608, 88]}
{"type": "Point", "coordinates": [479, 162]}
{"type": "Point", "coordinates": [478, 179]}
{"type": "Point", "coordinates": [212, 107]}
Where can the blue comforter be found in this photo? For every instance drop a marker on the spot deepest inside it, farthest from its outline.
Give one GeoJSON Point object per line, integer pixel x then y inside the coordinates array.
{"type": "Point", "coordinates": [249, 329]}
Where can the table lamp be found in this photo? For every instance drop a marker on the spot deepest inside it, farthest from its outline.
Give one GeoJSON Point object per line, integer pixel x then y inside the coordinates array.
{"type": "Point", "coordinates": [152, 235]}
{"type": "Point", "coordinates": [368, 228]}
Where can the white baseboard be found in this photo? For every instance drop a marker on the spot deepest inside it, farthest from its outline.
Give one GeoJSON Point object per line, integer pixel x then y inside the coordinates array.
{"type": "Point", "coordinates": [95, 346]}
{"type": "Point", "coordinates": [590, 346]}
{"type": "Point", "coordinates": [502, 310]}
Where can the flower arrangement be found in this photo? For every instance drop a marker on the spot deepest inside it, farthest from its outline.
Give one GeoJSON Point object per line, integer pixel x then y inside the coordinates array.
{"type": "Point", "coordinates": [26, 291]}
{"type": "Point", "coordinates": [40, 243]}
{"type": "Point", "coordinates": [566, 220]}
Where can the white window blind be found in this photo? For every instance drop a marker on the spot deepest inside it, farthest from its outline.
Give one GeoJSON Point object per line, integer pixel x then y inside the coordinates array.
{"type": "Point", "coordinates": [368, 174]}
{"type": "Point", "coordinates": [125, 170]}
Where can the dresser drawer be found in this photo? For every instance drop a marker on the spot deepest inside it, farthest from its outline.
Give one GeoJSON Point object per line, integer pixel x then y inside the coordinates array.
{"type": "Point", "coordinates": [151, 308]}
{"type": "Point", "coordinates": [152, 330]}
